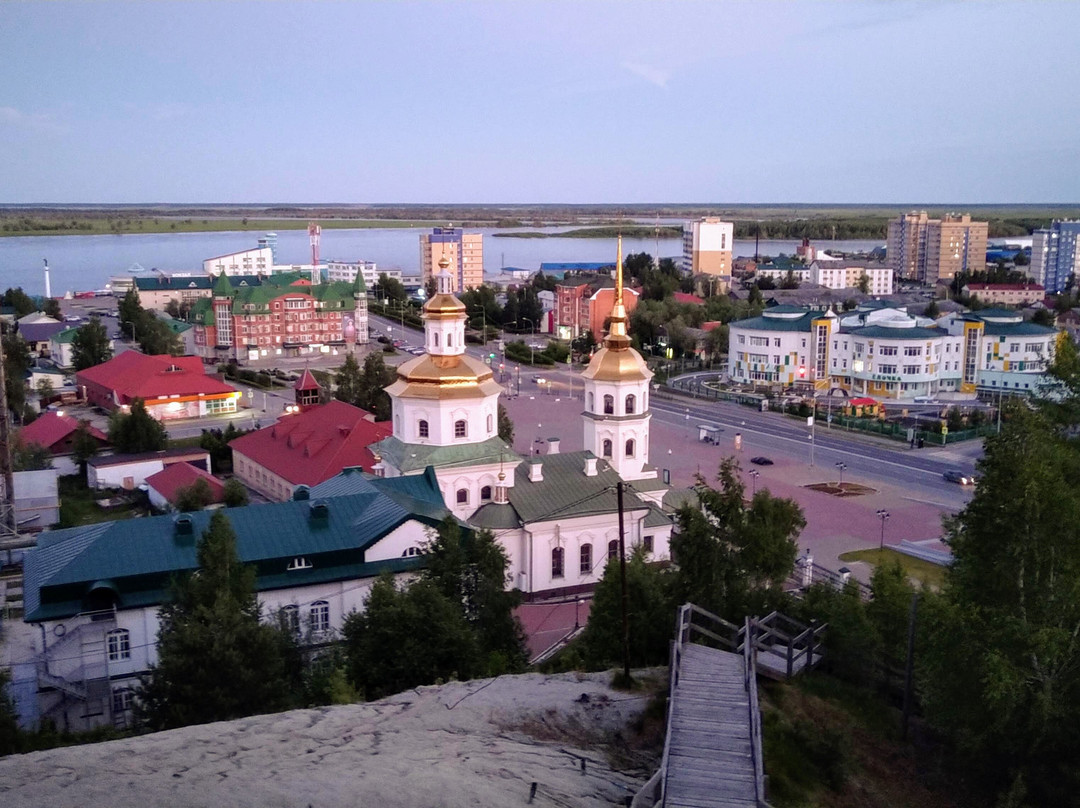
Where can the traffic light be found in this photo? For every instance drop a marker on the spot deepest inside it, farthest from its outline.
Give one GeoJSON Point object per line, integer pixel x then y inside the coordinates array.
{"type": "Point", "coordinates": [491, 356]}
{"type": "Point", "coordinates": [502, 367]}
{"type": "Point", "coordinates": [802, 371]}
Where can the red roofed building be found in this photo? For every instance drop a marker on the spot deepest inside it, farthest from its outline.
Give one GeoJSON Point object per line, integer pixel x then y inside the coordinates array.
{"type": "Point", "coordinates": [683, 297]}
{"type": "Point", "coordinates": [166, 486]}
{"type": "Point", "coordinates": [55, 432]}
{"type": "Point", "coordinates": [1009, 294]}
{"type": "Point", "coordinates": [307, 448]}
{"type": "Point", "coordinates": [172, 386]}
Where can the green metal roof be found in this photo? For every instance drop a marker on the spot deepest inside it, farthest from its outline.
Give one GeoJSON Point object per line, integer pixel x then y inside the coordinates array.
{"type": "Point", "coordinates": [762, 323]}
{"type": "Point", "coordinates": [142, 555]}
{"type": "Point", "coordinates": [409, 457]}
{"type": "Point", "coordinates": [495, 516]}
{"type": "Point", "coordinates": [222, 286]}
{"type": "Point", "coordinates": [1024, 329]}
{"type": "Point", "coordinates": [202, 311]}
{"type": "Point", "coordinates": [64, 337]}
{"type": "Point", "coordinates": [884, 332]}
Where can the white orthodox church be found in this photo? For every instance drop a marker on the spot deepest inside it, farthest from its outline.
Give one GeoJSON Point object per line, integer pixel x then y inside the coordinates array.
{"type": "Point", "coordinates": [556, 514]}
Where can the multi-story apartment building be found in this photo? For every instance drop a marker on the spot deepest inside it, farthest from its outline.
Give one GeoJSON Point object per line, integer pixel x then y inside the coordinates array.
{"type": "Point", "coordinates": [583, 303]}
{"type": "Point", "coordinates": [932, 250]}
{"type": "Point", "coordinates": [156, 291]}
{"type": "Point", "coordinates": [1008, 294]}
{"type": "Point", "coordinates": [847, 273]}
{"type": "Point", "coordinates": [707, 245]}
{"type": "Point", "coordinates": [1054, 255]}
{"type": "Point", "coordinates": [285, 315]}
{"type": "Point", "coordinates": [346, 272]}
{"type": "Point", "coordinates": [259, 261]}
{"type": "Point", "coordinates": [465, 251]}
{"type": "Point", "coordinates": [888, 354]}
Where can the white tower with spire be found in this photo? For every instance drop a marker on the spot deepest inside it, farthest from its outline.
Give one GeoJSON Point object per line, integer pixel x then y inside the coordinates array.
{"type": "Point", "coordinates": [616, 415]}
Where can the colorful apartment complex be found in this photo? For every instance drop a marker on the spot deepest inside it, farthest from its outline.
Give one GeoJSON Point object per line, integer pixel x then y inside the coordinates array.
{"type": "Point", "coordinates": [707, 245]}
{"type": "Point", "coordinates": [464, 251]}
{"type": "Point", "coordinates": [931, 250]}
{"type": "Point", "coordinates": [886, 353]}
{"type": "Point", "coordinates": [170, 386]}
{"type": "Point", "coordinates": [284, 315]}
{"type": "Point", "coordinates": [584, 303]}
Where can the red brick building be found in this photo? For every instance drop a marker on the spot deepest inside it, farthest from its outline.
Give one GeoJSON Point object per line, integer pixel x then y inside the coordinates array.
{"type": "Point", "coordinates": [583, 303]}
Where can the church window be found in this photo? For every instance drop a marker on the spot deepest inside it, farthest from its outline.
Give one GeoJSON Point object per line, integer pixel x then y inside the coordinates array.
{"type": "Point", "coordinates": [586, 559]}
{"type": "Point", "coordinates": [630, 448]}
{"type": "Point", "coordinates": [557, 562]}
{"type": "Point", "coordinates": [449, 340]}
{"type": "Point", "coordinates": [436, 335]}
{"type": "Point", "coordinates": [463, 496]}
{"type": "Point", "coordinates": [485, 493]}
{"type": "Point", "coordinates": [609, 405]}
{"type": "Point", "coordinates": [422, 429]}
{"type": "Point", "coordinates": [647, 541]}
{"type": "Point", "coordinates": [118, 643]}
{"type": "Point", "coordinates": [607, 448]}
{"type": "Point", "coordinates": [630, 401]}
{"type": "Point", "coordinates": [592, 403]}
{"type": "Point", "coordinates": [319, 619]}
{"type": "Point", "coordinates": [460, 430]}
{"type": "Point", "coordinates": [490, 423]}
{"type": "Point", "coordinates": [613, 549]}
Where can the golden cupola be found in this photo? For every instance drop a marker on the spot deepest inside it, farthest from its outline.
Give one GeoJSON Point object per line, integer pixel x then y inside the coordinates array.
{"type": "Point", "coordinates": [616, 360]}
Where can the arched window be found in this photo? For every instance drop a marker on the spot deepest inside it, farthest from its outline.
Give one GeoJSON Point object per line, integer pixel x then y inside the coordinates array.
{"type": "Point", "coordinates": [630, 448]}
{"type": "Point", "coordinates": [449, 340]}
{"type": "Point", "coordinates": [290, 618]}
{"type": "Point", "coordinates": [490, 424]}
{"type": "Point", "coordinates": [613, 548]}
{"type": "Point", "coordinates": [460, 429]}
{"type": "Point", "coordinates": [411, 552]}
{"type": "Point", "coordinates": [463, 496]}
{"type": "Point", "coordinates": [436, 336]}
{"type": "Point", "coordinates": [319, 617]}
{"type": "Point", "coordinates": [630, 402]}
{"type": "Point", "coordinates": [592, 403]}
{"type": "Point", "coordinates": [557, 562]}
{"type": "Point", "coordinates": [422, 428]}
{"type": "Point", "coordinates": [609, 404]}
{"type": "Point", "coordinates": [118, 644]}
{"type": "Point", "coordinates": [607, 448]}
{"type": "Point", "coordinates": [586, 560]}
{"type": "Point", "coordinates": [485, 493]}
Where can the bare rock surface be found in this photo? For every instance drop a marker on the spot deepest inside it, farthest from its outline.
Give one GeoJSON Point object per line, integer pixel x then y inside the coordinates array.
{"type": "Point", "coordinates": [479, 743]}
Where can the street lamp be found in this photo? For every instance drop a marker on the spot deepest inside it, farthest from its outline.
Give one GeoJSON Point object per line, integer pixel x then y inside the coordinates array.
{"type": "Point", "coordinates": [883, 515]}
{"type": "Point", "coordinates": [841, 466]}
{"type": "Point", "coordinates": [754, 474]}
{"type": "Point", "coordinates": [577, 610]}
{"type": "Point", "coordinates": [532, 324]}
{"type": "Point", "coordinates": [132, 324]}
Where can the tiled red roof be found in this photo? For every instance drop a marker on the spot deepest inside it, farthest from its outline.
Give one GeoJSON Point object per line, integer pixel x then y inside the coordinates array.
{"type": "Point", "coordinates": [709, 325]}
{"type": "Point", "coordinates": [175, 476]}
{"type": "Point", "coordinates": [1006, 287]}
{"type": "Point", "coordinates": [135, 375]}
{"type": "Point", "coordinates": [683, 297]}
{"type": "Point", "coordinates": [50, 428]}
{"type": "Point", "coordinates": [313, 446]}
{"type": "Point", "coordinates": [306, 382]}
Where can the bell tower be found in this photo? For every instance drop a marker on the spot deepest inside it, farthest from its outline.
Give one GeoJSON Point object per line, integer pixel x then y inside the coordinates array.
{"type": "Point", "coordinates": [616, 417]}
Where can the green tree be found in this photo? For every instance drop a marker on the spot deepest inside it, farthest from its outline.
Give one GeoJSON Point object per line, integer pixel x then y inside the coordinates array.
{"type": "Point", "coordinates": [347, 381]}
{"type": "Point", "coordinates": [194, 497]}
{"type": "Point", "coordinates": [216, 660]}
{"type": "Point", "coordinates": [374, 379]}
{"type": "Point", "coordinates": [156, 337]}
{"type": "Point", "coordinates": [83, 446]}
{"type": "Point", "coordinates": [756, 298]}
{"type": "Point", "coordinates": [406, 638]}
{"type": "Point", "coordinates": [136, 431]}
{"type": "Point", "coordinates": [17, 362]}
{"type": "Point", "coordinates": [52, 309]}
{"type": "Point", "coordinates": [1002, 673]}
{"type": "Point", "coordinates": [864, 284]}
{"type": "Point", "coordinates": [10, 736]}
{"type": "Point", "coordinates": [30, 457]}
{"type": "Point", "coordinates": [932, 309]}
{"type": "Point", "coordinates": [236, 494]}
{"type": "Point", "coordinates": [129, 311]}
{"type": "Point", "coordinates": [506, 425]}
{"type": "Point", "coordinates": [732, 556]}
{"type": "Point", "coordinates": [20, 301]}
{"type": "Point", "coordinates": [44, 391]}
{"type": "Point", "coordinates": [390, 289]}
{"type": "Point", "coordinates": [471, 569]}
{"type": "Point", "coordinates": [90, 345]}
{"type": "Point", "coordinates": [1044, 317]}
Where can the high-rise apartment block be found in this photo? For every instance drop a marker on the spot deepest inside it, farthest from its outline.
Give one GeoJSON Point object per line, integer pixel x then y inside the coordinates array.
{"type": "Point", "coordinates": [464, 251]}
{"type": "Point", "coordinates": [932, 250]}
{"type": "Point", "coordinates": [707, 245]}
{"type": "Point", "coordinates": [1054, 255]}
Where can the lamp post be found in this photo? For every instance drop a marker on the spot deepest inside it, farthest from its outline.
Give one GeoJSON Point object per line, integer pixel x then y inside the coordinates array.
{"type": "Point", "coordinates": [754, 474]}
{"type": "Point", "coordinates": [532, 324]}
{"type": "Point", "coordinates": [841, 466]}
{"type": "Point", "coordinates": [883, 515]}
{"type": "Point", "coordinates": [132, 324]}
{"type": "Point", "coordinates": [577, 611]}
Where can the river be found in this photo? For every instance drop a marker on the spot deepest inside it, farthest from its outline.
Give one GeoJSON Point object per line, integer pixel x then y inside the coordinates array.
{"type": "Point", "coordinates": [87, 262]}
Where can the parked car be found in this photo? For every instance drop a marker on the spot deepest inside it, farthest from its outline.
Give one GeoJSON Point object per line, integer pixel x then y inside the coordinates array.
{"type": "Point", "coordinates": [761, 461]}
{"type": "Point", "coordinates": [955, 476]}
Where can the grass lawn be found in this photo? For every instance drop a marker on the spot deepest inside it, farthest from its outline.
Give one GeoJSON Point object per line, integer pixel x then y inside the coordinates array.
{"type": "Point", "coordinates": [931, 575]}
{"type": "Point", "coordinates": [77, 505]}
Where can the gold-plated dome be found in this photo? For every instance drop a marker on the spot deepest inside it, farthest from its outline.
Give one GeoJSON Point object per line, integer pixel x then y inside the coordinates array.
{"type": "Point", "coordinates": [617, 365]}
{"type": "Point", "coordinates": [444, 377]}
{"type": "Point", "coordinates": [444, 262]}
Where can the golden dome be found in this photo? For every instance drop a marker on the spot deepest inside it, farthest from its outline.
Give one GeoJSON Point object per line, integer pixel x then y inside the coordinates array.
{"type": "Point", "coordinates": [617, 365]}
{"type": "Point", "coordinates": [443, 377]}
{"type": "Point", "coordinates": [442, 305]}
{"type": "Point", "coordinates": [444, 263]}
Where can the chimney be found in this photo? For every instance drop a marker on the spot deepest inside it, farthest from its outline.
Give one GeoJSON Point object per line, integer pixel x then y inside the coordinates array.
{"type": "Point", "coordinates": [301, 492]}
{"type": "Point", "coordinates": [319, 511]}
{"type": "Point", "coordinates": [184, 527]}
{"type": "Point", "coordinates": [590, 466]}
{"type": "Point", "coordinates": [553, 446]}
{"type": "Point", "coordinates": [536, 472]}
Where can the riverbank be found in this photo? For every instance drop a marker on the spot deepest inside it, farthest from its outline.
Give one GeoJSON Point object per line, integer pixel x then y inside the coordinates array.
{"type": "Point", "coordinates": [97, 226]}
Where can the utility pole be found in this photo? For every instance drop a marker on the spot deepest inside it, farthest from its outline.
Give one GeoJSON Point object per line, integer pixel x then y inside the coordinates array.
{"type": "Point", "coordinates": [625, 598]}
{"type": "Point", "coordinates": [9, 528]}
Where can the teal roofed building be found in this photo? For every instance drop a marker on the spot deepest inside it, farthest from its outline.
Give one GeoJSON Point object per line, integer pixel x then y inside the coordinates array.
{"type": "Point", "coordinates": [95, 590]}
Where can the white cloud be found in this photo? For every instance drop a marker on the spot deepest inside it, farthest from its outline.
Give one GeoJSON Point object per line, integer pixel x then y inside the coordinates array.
{"type": "Point", "coordinates": [653, 75]}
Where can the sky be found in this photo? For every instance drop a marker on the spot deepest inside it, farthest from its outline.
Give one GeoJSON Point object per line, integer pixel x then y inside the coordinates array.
{"type": "Point", "coordinates": [540, 102]}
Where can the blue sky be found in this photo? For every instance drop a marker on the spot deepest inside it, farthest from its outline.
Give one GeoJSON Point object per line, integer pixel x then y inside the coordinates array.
{"type": "Point", "coordinates": [521, 101]}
